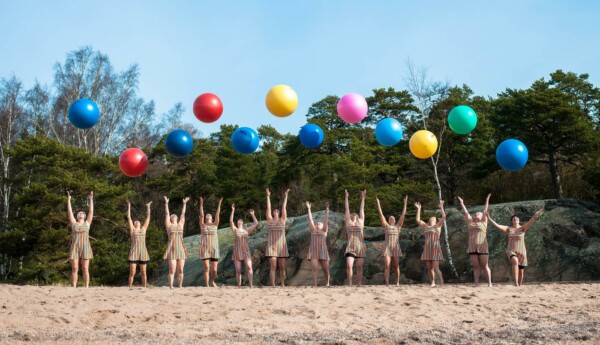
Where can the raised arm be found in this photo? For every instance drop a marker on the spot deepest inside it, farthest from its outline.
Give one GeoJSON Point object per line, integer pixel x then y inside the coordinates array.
{"type": "Point", "coordinates": [486, 207]}
{"type": "Point", "coordinates": [217, 217]}
{"type": "Point", "coordinates": [182, 217]}
{"type": "Point", "coordinates": [419, 221]}
{"type": "Point", "coordinates": [269, 215]}
{"type": "Point", "coordinates": [167, 214]}
{"type": "Point", "coordinates": [502, 228]}
{"type": "Point", "coordinates": [284, 206]}
{"type": "Point", "coordinates": [326, 219]}
{"type": "Point", "coordinates": [361, 211]}
{"type": "Point", "coordinates": [401, 220]}
{"type": "Point", "coordinates": [254, 221]}
{"type": "Point", "coordinates": [311, 223]}
{"type": "Point", "coordinates": [201, 220]}
{"type": "Point", "coordinates": [528, 225]}
{"type": "Point", "coordinates": [70, 210]}
{"type": "Point", "coordinates": [129, 222]}
{"type": "Point", "coordinates": [91, 212]}
{"type": "Point", "coordinates": [147, 221]}
{"type": "Point", "coordinates": [443, 217]}
{"type": "Point", "coordinates": [381, 216]}
{"type": "Point", "coordinates": [231, 223]}
{"type": "Point", "coordinates": [464, 210]}
{"type": "Point", "coordinates": [346, 207]}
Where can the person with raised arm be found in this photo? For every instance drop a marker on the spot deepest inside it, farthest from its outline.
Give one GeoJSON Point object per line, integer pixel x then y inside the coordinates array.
{"type": "Point", "coordinates": [478, 245]}
{"type": "Point", "coordinates": [432, 251]}
{"type": "Point", "coordinates": [516, 252]}
{"type": "Point", "coordinates": [356, 250]}
{"type": "Point", "coordinates": [392, 252]}
{"type": "Point", "coordinates": [138, 254]}
{"type": "Point", "coordinates": [176, 252]}
{"type": "Point", "coordinates": [209, 243]}
{"type": "Point", "coordinates": [81, 249]}
{"type": "Point", "coordinates": [277, 250]}
{"type": "Point", "coordinates": [241, 249]}
{"type": "Point", "coordinates": [317, 253]}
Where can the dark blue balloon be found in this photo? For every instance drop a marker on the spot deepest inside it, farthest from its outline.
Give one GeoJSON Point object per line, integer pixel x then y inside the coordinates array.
{"type": "Point", "coordinates": [311, 135]}
{"type": "Point", "coordinates": [512, 154]}
{"type": "Point", "coordinates": [83, 113]}
{"type": "Point", "coordinates": [244, 140]}
{"type": "Point", "coordinates": [388, 132]}
{"type": "Point", "coordinates": [179, 143]}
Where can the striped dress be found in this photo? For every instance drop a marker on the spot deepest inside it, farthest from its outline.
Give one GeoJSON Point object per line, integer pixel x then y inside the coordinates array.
{"type": "Point", "coordinates": [276, 244]}
{"type": "Point", "coordinates": [478, 238]}
{"type": "Point", "coordinates": [209, 244]}
{"type": "Point", "coordinates": [432, 250]}
{"type": "Point", "coordinates": [318, 245]}
{"type": "Point", "coordinates": [356, 241]}
{"type": "Point", "coordinates": [392, 242]}
{"type": "Point", "coordinates": [175, 249]}
{"type": "Point", "coordinates": [80, 243]}
{"type": "Point", "coordinates": [241, 250]}
{"type": "Point", "coordinates": [516, 245]}
{"type": "Point", "coordinates": [138, 251]}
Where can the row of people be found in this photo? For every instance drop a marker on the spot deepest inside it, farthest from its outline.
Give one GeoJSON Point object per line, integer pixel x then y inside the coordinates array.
{"type": "Point", "coordinates": [318, 254]}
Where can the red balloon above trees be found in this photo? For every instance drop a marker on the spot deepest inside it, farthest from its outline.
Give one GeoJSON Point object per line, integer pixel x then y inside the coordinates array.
{"type": "Point", "coordinates": [208, 107]}
{"type": "Point", "coordinates": [133, 162]}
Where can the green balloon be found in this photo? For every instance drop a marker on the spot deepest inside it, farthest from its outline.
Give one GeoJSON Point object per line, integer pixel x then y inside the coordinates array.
{"type": "Point", "coordinates": [462, 119]}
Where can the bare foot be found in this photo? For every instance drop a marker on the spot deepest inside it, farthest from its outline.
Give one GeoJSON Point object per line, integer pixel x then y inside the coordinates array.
{"type": "Point", "coordinates": [214, 285]}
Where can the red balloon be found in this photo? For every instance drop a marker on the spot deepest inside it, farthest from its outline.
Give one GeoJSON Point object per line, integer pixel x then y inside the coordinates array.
{"type": "Point", "coordinates": [133, 162]}
{"type": "Point", "coordinates": [208, 107]}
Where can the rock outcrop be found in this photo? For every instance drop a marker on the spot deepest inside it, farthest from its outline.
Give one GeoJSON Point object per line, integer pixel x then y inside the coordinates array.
{"type": "Point", "coordinates": [563, 245]}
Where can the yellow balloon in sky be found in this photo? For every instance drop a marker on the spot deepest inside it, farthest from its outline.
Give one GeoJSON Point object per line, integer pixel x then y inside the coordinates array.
{"type": "Point", "coordinates": [423, 144]}
{"type": "Point", "coordinates": [281, 100]}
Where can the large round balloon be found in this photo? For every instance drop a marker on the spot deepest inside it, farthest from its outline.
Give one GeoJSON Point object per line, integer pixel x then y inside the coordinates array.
{"type": "Point", "coordinates": [352, 108]}
{"type": "Point", "coordinates": [179, 143]}
{"type": "Point", "coordinates": [244, 140]}
{"type": "Point", "coordinates": [311, 135]}
{"type": "Point", "coordinates": [423, 144]}
{"type": "Point", "coordinates": [281, 100]}
{"type": "Point", "coordinates": [512, 154]}
{"type": "Point", "coordinates": [462, 119]}
{"type": "Point", "coordinates": [208, 107]}
{"type": "Point", "coordinates": [83, 113]}
{"type": "Point", "coordinates": [388, 132]}
{"type": "Point", "coordinates": [133, 162]}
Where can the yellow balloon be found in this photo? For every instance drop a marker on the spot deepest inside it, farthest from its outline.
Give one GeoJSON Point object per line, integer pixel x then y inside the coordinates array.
{"type": "Point", "coordinates": [281, 100]}
{"type": "Point", "coordinates": [423, 144]}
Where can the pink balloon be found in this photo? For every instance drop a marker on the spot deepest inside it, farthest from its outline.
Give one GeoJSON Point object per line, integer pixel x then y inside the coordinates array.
{"type": "Point", "coordinates": [352, 108]}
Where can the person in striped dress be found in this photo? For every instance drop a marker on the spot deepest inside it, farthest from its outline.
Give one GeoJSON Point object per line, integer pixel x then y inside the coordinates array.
{"type": "Point", "coordinates": [176, 252]}
{"type": "Point", "coordinates": [432, 251]}
{"type": "Point", "coordinates": [392, 251]}
{"type": "Point", "coordinates": [276, 250]}
{"type": "Point", "coordinates": [516, 252]}
{"type": "Point", "coordinates": [81, 249]}
{"type": "Point", "coordinates": [356, 250]}
{"type": "Point", "coordinates": [209, 243]}
{"type": "Point", "coordinates": [478, 245]}
{"type": "Point", "coordinates": [317, 253]}
{"type": "Point", "coordinates": [241, 249]}
{"type": "Point", "coordinates": [138, 254]}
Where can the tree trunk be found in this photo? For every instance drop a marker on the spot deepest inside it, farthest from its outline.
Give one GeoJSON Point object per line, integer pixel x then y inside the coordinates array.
{"type": "Point", "coordinates": [555, 175]}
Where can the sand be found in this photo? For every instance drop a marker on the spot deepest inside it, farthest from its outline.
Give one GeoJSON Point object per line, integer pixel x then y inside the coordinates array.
{"type": "Point", "coordinates": [409, 314]}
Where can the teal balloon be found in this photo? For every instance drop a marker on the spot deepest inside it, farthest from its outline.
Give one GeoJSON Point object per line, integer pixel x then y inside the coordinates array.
{"type": "Point", "coordinates": [462, 119]}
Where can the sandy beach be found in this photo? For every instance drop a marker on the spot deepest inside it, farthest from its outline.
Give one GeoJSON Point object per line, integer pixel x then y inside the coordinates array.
{"type": "Point", "coordinates": [462, 314]}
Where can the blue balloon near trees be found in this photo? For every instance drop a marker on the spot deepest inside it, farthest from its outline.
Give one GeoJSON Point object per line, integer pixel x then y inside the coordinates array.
{"type": "Point", "coordinates": [179, 143]}
{"type": "Point", "coordinates": [311, 135]}
{"type": "Point", "coordinates": [388, 132]}
{"type": "Point", "coordinates": [512, 154]}
{"type": "Point", "coordinates": [244, 140]}
{"type": "Point", "coordinates": [83, 113]}
{"type": "Point", "coordinates": [462, 119]}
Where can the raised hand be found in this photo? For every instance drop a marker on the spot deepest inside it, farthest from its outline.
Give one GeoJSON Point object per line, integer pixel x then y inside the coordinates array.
{"type": "Point", "coordinates": [92, 195]}
{"type": "Point", "coordinates": [166, 200]}
{"type": "Point", "coordinates": [363, 193]}
{"type": "Point", "coordinates": [128, 203]}
{"type": "Point", "coordinates": [418, 205]}
{"type": "Point", "coordinates": [441, 204]}
{"type": "Point", "coordinates": [148, 204]}
{"type": "Point", "coordinates": [538, 214]}
{"type": "Point", "coordinates": [268, 192]}
{"type": "Point", "coordinates": [308, 205]}
{"type": "Point", "coordinates": [460, 199]}
{"type": "Point", "coordinates": [405, 199]}
{"type": "Point", "coordinates": [186, 199]}
{"type": "Point", "coordinates": [327, 206]}
{"type": "Point", "coordinates": [287, 191]}
{"type": "Point", "coordinates": [251, 211]}
{"type": "Point", "coordinates": [201, 201]}
{"type": "Point", "coordinates": [68, 195]}
{"type": "Point", "coordinates": [346, 194]}
{"type": "Point", "coordinates": [233, 207]}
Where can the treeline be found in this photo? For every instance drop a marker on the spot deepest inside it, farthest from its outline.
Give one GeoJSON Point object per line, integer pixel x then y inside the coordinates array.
{"type": "Point", "coordinates": [42, 157]}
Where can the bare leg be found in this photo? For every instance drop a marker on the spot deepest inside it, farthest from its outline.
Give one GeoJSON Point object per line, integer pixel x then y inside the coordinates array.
{"type": "Point", "coordinates": [386, 269]}
{"type": "Point", "coordinates": [172, 268]}
{"type": "Point", "coordinates": [514, 263]}
{"type": "Point", "coordinates": [143, 274]}
{"type": "Point", "coordinates": [249, 271]}
{"type": "Point", "coordinates": [349, 264]}
{"type": "Point", "coordinates": [273, 263]}
{"type": "Point", "coordinates": [521, 275]}
{"type": "Point", "coordinates": [436, 267]}
{"type": "Point", "coordinates": [180, 265]}
{"type": "Point", "coordinates": [485, 267]}
{"type": "Point", "coordinates": [396, 265]}
{"type": "Point", "coordinates": [238, 272]}
{"type": "Point", "coordinates": [86, 272]}
{"type": "Point", "coordinates": [282, 273]}
{"type": "Point", "coordinates": [476, 269]}
{"type": "Point", "coordinates": [74, 270]}
{"type": "Point", "coordinates": [213, 272]}
{"type": "Point", "coordinates": [359, 270]}
{"type": "Point", "coordinates": [431, 272]}
{"type": "Point", "coordinates": [325, 266]}
{"type": "Point", "coordinates": [132, 267]}
{"type": "Point", "coordinates": [206, 264]}
{"type": "Point", "coordinates": [315, 266]}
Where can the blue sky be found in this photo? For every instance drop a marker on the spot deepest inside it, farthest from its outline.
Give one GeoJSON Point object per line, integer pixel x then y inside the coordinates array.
{"type": "Point", "coordinates": [239, 49]}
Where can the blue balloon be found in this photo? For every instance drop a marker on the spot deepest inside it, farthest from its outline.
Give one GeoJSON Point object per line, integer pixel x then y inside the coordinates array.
{"type": "Point", "coordinates": [244, 140]}
{"type": "Point", "coordinates": [311, 135]}
{"type": "Point", "coordinates": [179, 143]}
{"type": "Point", "coordinates": [83, 113]}
{"type": "Point", "coordinates": [388, 132]}
{"type": "Point", "coordinates": [512, 154]}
